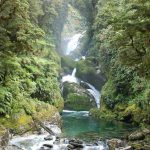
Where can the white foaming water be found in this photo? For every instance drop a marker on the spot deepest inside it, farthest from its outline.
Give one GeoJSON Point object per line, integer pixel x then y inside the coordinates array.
{"type": "Point", "coordinates": [74, 72]}
{"type": "Point", "coordinates": [95, 93]}
{"type": "Point", "coordinates": [100, 147]}
{"type": "Point", "coordinates": [35, 142]}
{"type": "Point", "coordinates": [32, 142]}
{"type": "Point", "coordinates": [73, 43]}
{"type": "Point", "coordinates": [70, 78]}
{"type": "Point", "coordinates": [76, 113]}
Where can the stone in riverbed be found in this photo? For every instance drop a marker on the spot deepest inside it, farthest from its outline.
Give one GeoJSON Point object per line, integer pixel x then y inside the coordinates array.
{"type": "Point", "coordinates": [48, 145]}
{"type": "Point", "coordinates": [70, 146]}
{"type": "Point", "coordinates": [42, 148]}
{"type": "Point", "coordinates": [136, 136]}
{"type": "Point", "coordinates": [57, 138]}
{"type": "Point", "coordinates": [115, 143]}
{"type": "Point", "coordinates": [76, 143]}
{"type": "Point", "coordinates": [48, 138]}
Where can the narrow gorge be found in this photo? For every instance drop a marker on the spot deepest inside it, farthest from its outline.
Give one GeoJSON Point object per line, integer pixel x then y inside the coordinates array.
{"type": "Point", "coordinates": [74, 75]}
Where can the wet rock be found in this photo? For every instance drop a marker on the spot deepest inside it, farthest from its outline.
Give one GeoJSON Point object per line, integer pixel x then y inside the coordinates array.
{"type": "Point", "coordinates": [76, 143]}
{"type": "Point", "coordinates": [48, 138]}
{"type": "Point", "coordinates": [48, 145]}
{"type": "Point", "coordinates": [146, 147]}
{"type": "Point", "coordinates": [137, 136]}
{"type": "Point", "coordinates": [90, 145]}
{"type": "Point", "coordinates": [96, 144]}
{"type": "Point", "coordinates": [42, 148]}
{"type": "Point", "coordinates": [115, 143]}
{"type": "Point", "coordinates": [57, 138]}
{"type": "Point", "coordinates": [146, 131]}
{"type": "Point", "coordinates": [70, 147]}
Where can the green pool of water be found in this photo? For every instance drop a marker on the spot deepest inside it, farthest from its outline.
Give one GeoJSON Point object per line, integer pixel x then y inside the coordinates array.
{"type": "Point", "coordinates": [80, 124]}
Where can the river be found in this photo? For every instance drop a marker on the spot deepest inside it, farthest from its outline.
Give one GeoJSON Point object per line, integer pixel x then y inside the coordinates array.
{"type": "Point", "coordinates": [77, 124]}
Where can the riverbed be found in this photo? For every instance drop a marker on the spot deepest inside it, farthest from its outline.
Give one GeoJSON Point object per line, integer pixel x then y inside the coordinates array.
{"type": "Point", "coordinates": [77, 125]}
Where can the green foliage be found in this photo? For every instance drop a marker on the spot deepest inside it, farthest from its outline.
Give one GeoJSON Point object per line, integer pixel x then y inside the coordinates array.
{"type": "Point", "coordinates": [29, 64]}
{"type": "Point", "coordinates": [86, 67]}
{"type": "Point", "coordinates": [67, 64]}
{"type": "Point", "coordinates": [120, 43]}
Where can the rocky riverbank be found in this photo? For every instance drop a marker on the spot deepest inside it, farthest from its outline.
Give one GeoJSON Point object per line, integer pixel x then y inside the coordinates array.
{"type": "Point", "coordinates": [39, 123]}
{"type": "Point", "coordinates": [138, 140]}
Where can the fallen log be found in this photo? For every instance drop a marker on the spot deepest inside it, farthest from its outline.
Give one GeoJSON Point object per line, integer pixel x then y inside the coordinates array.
{"type": "Point", "coordinates": [41, 124]}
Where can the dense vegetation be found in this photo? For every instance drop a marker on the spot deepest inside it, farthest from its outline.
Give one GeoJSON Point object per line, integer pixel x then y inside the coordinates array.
{"type": "Point", "coordinates": [117, 44]}
{"type": "Point", "coordinates": [121, 46]}
{"type": "Point", "coordinates": [29, 64]}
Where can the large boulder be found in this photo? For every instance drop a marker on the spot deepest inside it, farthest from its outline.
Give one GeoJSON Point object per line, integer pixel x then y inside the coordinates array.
{"type": "Point", "coordinates": [115, 143]}
{"type": "Point", "coordinates": [77, 98]}
{"type": "Point", "coordinates": [136, 136]}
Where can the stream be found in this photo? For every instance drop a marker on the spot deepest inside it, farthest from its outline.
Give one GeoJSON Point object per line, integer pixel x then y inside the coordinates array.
{"type": "Point", "coordinates": [77, 124]}
{"type": "Point", "coordinates": [80, 124]}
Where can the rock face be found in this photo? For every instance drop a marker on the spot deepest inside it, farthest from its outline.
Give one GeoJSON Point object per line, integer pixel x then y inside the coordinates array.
{"type": "Point", "coordinates": [4, 137]}
{"type": "Point", "coordinates": [77, 98]}
{"type": "Point", "coordinates": [140, 139]}
{"type": "Point", "coordinates": [136, 136]}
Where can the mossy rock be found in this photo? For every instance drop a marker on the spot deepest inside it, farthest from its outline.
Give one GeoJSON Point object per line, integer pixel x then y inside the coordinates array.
{"type": "Point", "coordinates": [22, 122]}
{"type": "Point", "coordinates": [102, 113]}
{"type": "Point", "coordinates": [77, 98]}
{"type": "Point", "coordinates": [131, 113]}
{"type": "Point", "coordinates": [79, 102]}
{"type": "Point", "coordinates": [70, 88]}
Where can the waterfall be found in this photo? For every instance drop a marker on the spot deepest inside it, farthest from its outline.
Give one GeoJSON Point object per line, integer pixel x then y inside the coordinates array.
{"type": "Point", "coordinates": [74, 72]}
{"type": "Point", "coordinates": [73, 43]}
{"type": "Point", "coordinates": [70, 78]}
{"type": "Point", "coordinates": [94, 92]}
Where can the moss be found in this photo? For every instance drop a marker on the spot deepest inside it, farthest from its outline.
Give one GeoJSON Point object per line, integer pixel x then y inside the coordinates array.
{"type": "Point", "coordinates": [67, 64]}
{"type": "Point", "coordinates": [2, 130]}
{"type": "Point", "coordinates": [131, 113]}
{"type": "Point", "coordinates": [79, 102]}
{"type": "Point", "coordinates": [21, 122]}
{"type": "Point", "coordinates": [102, 113]}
